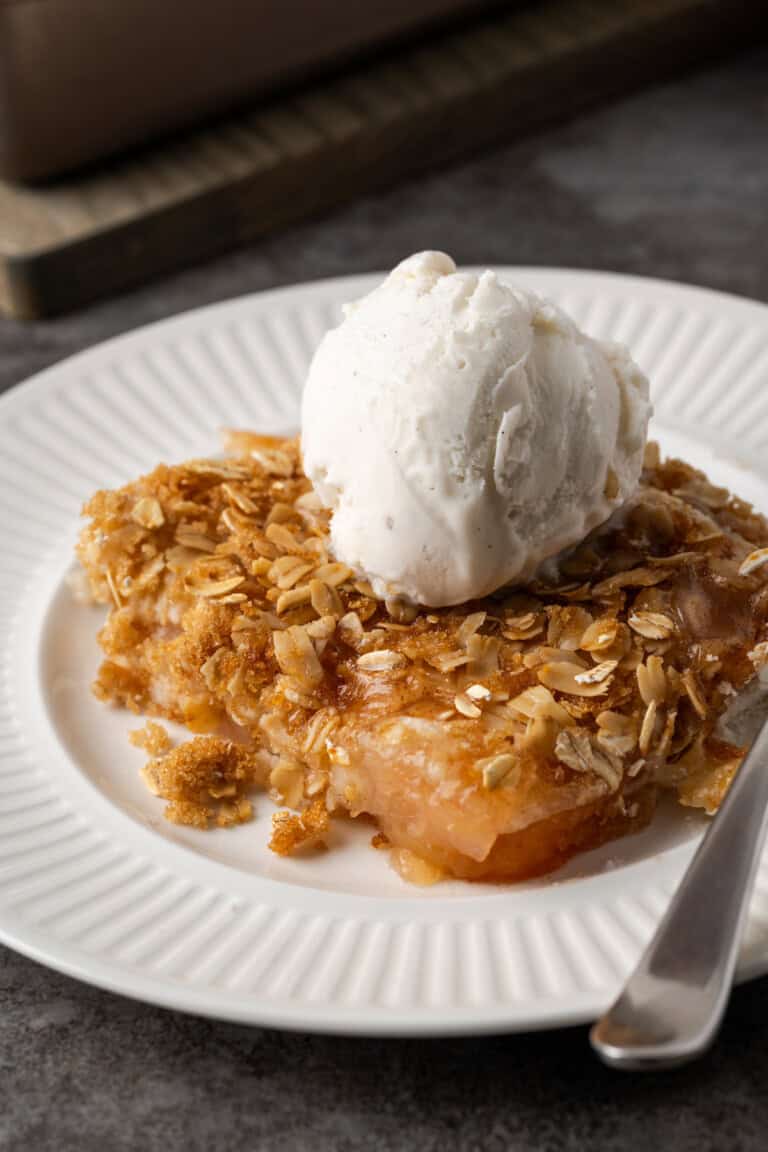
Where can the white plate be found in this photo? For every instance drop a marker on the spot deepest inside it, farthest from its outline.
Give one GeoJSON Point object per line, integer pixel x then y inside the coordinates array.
{"type": "Point", "coordinates": [95, 883]}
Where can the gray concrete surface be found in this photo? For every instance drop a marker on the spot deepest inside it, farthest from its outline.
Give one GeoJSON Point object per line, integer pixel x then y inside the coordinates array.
{"type": "Point", "coordinates": [672, 183]}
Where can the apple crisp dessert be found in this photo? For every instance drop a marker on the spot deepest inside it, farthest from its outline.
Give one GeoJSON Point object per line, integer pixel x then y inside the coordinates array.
{"type": "Point", "coordinates": [492, 740]}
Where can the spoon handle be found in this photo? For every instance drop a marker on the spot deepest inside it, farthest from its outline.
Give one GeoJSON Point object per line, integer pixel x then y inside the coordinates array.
{"type": "Point", "coordinates": [672, 1004]}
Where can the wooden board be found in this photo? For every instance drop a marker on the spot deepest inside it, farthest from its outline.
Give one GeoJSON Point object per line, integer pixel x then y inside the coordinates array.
{"type": "Point", "coordinates": [64, 245]}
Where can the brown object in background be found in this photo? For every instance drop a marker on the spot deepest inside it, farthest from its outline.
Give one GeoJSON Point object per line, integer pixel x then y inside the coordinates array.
{"type": "Point", "coordinates": [83, 79]}
{"type": "Point", "coordinates": [213, 190]}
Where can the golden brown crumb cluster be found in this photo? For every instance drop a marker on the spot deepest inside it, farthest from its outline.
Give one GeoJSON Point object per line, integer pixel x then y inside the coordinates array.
{"type": "Point", "coordinates": [205, 780]}
{"type": "Point", "coordinates": [580, 696]}
{"type": "Point", "coordinates": [153, 738]}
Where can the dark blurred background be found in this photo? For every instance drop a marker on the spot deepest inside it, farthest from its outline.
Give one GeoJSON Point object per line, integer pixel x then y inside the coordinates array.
{"type": "Point", "coordinates": [143, 137]}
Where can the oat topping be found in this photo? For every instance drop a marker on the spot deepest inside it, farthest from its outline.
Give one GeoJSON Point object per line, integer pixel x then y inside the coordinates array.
{"type": "Point", "coordinates": [205, 780]}
{"type": "Point", "coordinates": [652, 625]}
{"type": "Point", "coordinates": [540, 706]}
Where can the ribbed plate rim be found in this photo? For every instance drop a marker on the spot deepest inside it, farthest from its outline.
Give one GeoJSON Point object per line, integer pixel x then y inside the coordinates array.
{"type": "Point", "coordinates": [289, 1013]}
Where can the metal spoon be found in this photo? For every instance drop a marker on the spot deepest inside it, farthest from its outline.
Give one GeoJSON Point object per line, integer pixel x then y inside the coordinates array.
{"type": "Point", "coordinates": [672, 1004]}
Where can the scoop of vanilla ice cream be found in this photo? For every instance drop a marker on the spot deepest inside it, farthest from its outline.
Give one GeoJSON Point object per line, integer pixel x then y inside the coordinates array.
{"type": "Point", "coordinates": [463, 432]}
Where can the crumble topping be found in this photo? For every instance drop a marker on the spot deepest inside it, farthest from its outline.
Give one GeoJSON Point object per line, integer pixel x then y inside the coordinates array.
{"type": "Point", "coordinates": [568, 702]}
{"type": "Point", "coordinates": [153, 738]}
{"type": "Point", "coordinates": [292, 831]}
{"type": "Point", "coordinates": [205, 780]}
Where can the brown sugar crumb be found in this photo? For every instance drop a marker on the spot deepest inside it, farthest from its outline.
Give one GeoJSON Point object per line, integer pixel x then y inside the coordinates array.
{"type": "Point", "coordinates": [125, 687]}
{"type": "Point", "coordinates": [294, 830]}
{"type": "Point", "coordinates": [153, 738]}
{"type": "Point", "coordinates": [205, 781]}
{"type": "Point", "coordinates": [380, 841]}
